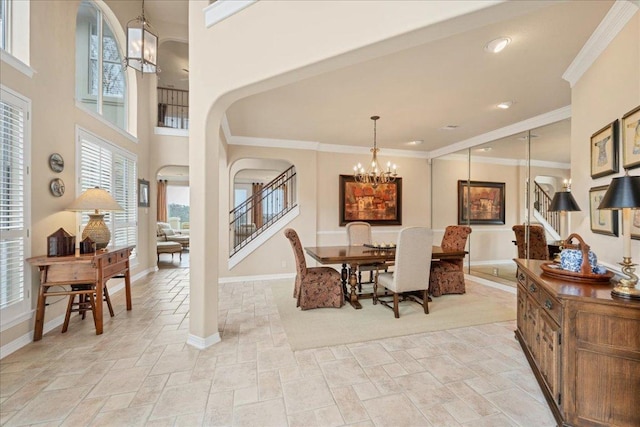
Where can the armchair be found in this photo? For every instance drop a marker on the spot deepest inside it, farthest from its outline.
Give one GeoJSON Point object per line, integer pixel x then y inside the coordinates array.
{"type": "Point", "coordinates": [315, 287]}
{"type": "Point", "coordinates": [168, 234]}
{"type": "Point", "coordinates": [447, 276]}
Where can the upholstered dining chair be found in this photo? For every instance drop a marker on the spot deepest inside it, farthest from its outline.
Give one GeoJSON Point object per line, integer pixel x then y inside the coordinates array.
{"type": "Point", "coordinates": [315, 287]}
{"type": "Point", "coordinates": [413, 251]}
{"type": "Point", "coordinates": [538, 248]}
{"type": "Point", "coordinates": [358, 234]}
{"type": "Point", "coordinates": [447, 275]}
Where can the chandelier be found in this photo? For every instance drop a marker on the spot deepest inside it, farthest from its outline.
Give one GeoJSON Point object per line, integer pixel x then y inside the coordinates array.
{"type": "Point", "coordinates": [374, 174]}
{"type": "Point", "coordinates": [142, 45]}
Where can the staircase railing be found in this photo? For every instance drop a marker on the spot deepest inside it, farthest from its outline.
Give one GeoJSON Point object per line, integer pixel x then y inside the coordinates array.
{"type": "Point", "coordinates": [252, 217]}
{"type": "Point", "coordinates": [173, 108]}
{"type": "Point", "coordinates": [541, 203]}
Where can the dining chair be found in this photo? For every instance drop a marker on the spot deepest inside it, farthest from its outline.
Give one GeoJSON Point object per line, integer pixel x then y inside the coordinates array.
{"type": "Point", "coordinates": [359, 234]}
{"type": "Point", "coordinates": [413, 250]}
{"type": "Point", "coordinates": [315, 287]}
{"type": "Point", "coordinates": [447, 275]}
{"type": "Point", "coordinates": [538, 248]}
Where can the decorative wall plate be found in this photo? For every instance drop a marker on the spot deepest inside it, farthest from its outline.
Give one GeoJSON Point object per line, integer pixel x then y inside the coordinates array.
{"type": "Point", "coordinates": [57, 187]}
{"type": "Point", "coordinates": [56, 162]}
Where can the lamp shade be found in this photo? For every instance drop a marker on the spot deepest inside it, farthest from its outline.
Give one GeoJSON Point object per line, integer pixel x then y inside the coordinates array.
{"type": "Point", "coordinates": [95, 199]}
{"type": "Point", "coordinates": [563, 201]}
{"type": "Point", "coordinates": [623, 192]}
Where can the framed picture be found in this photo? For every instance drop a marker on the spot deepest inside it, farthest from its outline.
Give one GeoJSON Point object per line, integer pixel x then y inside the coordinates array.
{"type": "Point", "coordinates": [143, 193]}
{"type": "Point", "coordinates": [480, 202]}
{"type": "Point", "coordinates": [604, 151]}
{"type": "Point", "coordinates": [603, 221]}
{"type": "Point", "coordinates": [377, 205]}
{"type": "Point", "coordinates": [56, 162]}
{"type": "Point", "coordinates": [630, 130]}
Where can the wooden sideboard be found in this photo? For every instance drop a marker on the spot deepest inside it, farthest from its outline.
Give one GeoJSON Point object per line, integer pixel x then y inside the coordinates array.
{"type": "Point", "coordinates": [583, 347]}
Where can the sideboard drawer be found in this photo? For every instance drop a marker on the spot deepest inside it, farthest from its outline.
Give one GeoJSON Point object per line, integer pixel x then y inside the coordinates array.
{"type": "Point", "coordinates": [550, 304]}
{"type": "Point", "coordinates": [522, 278]}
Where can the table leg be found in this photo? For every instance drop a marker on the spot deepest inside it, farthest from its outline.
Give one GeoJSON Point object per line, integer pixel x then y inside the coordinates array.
{"type": "Point", "coordinates": [353, 282]}
{"type": "Point", "coordinates": [98, 310]}
{"type": "Point", "coordinates": [127, 285]}
{"type": "Point", "coordinates": [39, 326]}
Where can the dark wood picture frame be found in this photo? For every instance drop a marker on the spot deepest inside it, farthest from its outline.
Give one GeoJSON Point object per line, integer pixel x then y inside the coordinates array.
{"type": "Point", "coordinates": [379, 205]}
{"type": "Point", "coordinates": [143, 193]}
{"type": "Point", "coordinates": [630, 137]}
{"type": "Point", "coordinates": [602, 221]}
{"type": "Point", "coordinates": [604, 151]}
{"type": "Point", "coordinates": [486, 202]}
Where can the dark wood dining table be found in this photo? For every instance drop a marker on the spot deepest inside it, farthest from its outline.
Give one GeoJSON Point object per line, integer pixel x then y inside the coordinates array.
{"type": "Point", "coordinates": [356, 255]}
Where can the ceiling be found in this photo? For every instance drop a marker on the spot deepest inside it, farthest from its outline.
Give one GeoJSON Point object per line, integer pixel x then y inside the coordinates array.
{"type": "Point", "coordinates": [419, 91]}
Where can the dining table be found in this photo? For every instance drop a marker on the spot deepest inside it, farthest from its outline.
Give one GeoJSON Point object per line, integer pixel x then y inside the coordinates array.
{"type": "Point", "coordinates": [353, 256]}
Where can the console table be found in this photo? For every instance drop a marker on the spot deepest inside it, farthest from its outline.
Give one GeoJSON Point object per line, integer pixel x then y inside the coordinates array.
{"type": "Point", "coordinates": [583, 347]}
{"type": "Point", "coordinates": [94, 268]}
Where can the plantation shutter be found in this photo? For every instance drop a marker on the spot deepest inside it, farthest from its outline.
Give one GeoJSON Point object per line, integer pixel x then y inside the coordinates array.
{"type": "Point", "coordinates": [13, 224]}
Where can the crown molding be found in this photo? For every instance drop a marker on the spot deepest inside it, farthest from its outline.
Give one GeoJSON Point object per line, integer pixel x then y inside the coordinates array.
{"type": "Point", "coordinates": [613, 22]}
{"type": "Point", "coordinates": [525, 125]}
{"type": "Point", "coordinates": [222, 9]}
{"type": "Point", "coordinates": [505, 162]}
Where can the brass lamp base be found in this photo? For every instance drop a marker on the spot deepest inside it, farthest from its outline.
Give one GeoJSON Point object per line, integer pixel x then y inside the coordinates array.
{"type": "Point", "coordinates": [626, 288]}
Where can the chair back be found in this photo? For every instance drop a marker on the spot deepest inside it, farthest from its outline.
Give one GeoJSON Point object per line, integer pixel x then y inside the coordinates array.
{"type": "Point", "coordinates": [413, 257]}
{"type": "Point", "coordinates": [455, 237]}
{"type": "Point", "coordinates": [301, 263]}
{"type": "Point", "coordinates": [359, 233]}
{"type": "Point", "coordinates": [538, 248]}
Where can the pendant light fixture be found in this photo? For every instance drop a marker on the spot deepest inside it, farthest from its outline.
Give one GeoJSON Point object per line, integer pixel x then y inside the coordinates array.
{"type": "Point", "coordinates": [374, 174]}
{"type": "Point", "coordinates": [142, 45]}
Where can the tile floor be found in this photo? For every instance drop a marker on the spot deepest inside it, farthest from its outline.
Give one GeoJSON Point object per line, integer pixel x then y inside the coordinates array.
{"type": "Point", "coordinates": [141, 372]}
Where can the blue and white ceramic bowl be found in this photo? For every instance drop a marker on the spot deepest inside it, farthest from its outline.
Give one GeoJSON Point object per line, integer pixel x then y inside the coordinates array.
{"type": "Point", "coordinates": [571, 260]}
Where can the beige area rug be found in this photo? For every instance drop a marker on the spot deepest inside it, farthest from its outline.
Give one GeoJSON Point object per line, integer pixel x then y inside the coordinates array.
{"type": "Point", "coordinates": [332, 326]}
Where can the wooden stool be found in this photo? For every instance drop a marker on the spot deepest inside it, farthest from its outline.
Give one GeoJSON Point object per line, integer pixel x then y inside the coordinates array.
{"type": "Point", "coordinates": [86, 301]}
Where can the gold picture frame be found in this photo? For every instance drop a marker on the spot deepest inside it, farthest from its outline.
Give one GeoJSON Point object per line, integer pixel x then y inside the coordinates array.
{"type": "Point", "coordinates": [604, 151]}
{"type": "Point", "coordinates": [630, 135]}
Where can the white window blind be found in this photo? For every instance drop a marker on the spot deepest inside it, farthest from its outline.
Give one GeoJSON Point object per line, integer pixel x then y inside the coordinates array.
{"type": "Point", "coordinates": [107, 166]}
{"type": "Point", "coordinates": [14, 212]}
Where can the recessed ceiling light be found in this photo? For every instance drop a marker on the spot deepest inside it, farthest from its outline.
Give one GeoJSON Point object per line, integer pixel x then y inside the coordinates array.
{"type": "Point", "coordinates": [449, 127]}
{"type": "Point", "coordinates": [496, 45]}
{"type": "Point", "coordinates": [505, 105]}
{"type": "Point", "coordinates": [416, 142]}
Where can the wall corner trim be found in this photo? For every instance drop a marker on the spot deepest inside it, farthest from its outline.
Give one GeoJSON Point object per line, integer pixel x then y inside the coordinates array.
{"type": "Point", "coordinates": [222, 9]}
{"type": "Point", "coordinates": [613, 22]}
{"type": "Point", "coordinates": [202, 343]}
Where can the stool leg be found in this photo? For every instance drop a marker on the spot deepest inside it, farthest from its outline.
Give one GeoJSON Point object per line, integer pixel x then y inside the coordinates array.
{"type": "Point", "coordinates": [65, 325]}
{"type": "Point", "coordinates": [92, 300]}
{"type": "Point", "coordinates": [107, 298]}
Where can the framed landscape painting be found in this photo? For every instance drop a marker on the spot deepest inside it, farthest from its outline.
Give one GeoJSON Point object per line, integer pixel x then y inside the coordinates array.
{"type": "Point", "coordinates": [603, 221]}
{"type": "Point", "coordinates": [377, 205]}
{"type": "Point", "coordinates": [481, 202]}
{"type": "Point", "coordinates": [630, 130]}
{"type": "Point", "coordinates": [604, 151]}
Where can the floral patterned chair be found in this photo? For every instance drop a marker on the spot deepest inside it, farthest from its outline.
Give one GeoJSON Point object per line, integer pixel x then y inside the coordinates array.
{"type": "Point", "coordinates": [447, 276]}
{"type": "Point", "coordinates": [315, 287]}
{"type": "Point", "coordinates": [538, 248]}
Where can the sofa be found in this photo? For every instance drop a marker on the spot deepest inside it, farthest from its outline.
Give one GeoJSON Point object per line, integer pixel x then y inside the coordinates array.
{"type": "Point", "coordinates": [168, 234]}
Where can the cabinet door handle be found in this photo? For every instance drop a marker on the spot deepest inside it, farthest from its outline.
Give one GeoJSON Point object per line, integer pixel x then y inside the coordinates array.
{"type": "Point", "coordinates": [548, 304]}
{"type": "Point", "coordinates": [532, 288]}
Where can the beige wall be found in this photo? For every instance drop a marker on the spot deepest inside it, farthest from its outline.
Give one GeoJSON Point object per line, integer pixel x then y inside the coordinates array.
{"type": "Point", "coordinates": [54, 120]}
{"type": "Point", "coordinates": [609, 89]}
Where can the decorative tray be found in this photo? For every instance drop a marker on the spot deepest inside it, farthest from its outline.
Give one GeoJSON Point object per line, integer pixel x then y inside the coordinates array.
{"type": "Point", "coordinates": [553, 270]}
{"type": "Point", "coordinates": [389, 246]}
{"type": "Point", "coordinates": [584, 275]}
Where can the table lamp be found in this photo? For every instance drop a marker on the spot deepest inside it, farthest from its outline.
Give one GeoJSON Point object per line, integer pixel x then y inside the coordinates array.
{"type": "Point", "coordinates": [96, 199]}
{"type": "Point", "coordinates": [563, 202]}
{"type": "Point", "coordinates": [624, 193]}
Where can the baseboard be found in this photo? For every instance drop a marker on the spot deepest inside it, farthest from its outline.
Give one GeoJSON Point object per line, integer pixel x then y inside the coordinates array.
{"type": "Point", "coordinates": [491, 284]}
{"type": "Point", "coordinates": [202, 343]}
{"type": "Point", "coordinates": [256, 278]}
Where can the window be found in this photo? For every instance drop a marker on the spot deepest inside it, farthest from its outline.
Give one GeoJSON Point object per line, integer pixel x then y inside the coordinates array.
{"type": "Point", "coordinates": [101, 85]}
{"type": "Point", "coordinates": [15, 298]}
{"type": "Point", "coordinates": [4, 24]}
{"type": "Point", "coordinates": [102, 164]}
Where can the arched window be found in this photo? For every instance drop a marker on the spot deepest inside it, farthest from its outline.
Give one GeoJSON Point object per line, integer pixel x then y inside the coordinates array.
{"type": "Point", "coordinates": [101, 84]}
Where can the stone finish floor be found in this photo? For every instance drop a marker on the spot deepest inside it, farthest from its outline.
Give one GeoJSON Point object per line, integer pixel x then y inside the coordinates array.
{"type": "Point", "coordinates": [141, 372]}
